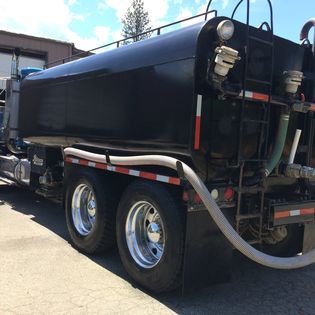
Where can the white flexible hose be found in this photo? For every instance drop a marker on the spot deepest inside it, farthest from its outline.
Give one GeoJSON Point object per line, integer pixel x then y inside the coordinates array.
{"type": "Point", "coordinates": [295, 143]}
{"type": "Point", "coordinates": [215, 212]}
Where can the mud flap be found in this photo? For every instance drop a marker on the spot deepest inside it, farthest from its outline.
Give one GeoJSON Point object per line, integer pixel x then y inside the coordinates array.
{"type": "Point", "coordinates": [309, 236]}
{"type": "Point", "coordinates": [208, 254]}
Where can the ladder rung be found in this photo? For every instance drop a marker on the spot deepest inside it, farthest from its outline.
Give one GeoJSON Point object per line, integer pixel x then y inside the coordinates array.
{"type": "Point", "coordinates": [256, 121]}
{"type": "Point", "coordinates": [257, 39]}
{"type": "Point", "coordinates": [248, 216]}
{"type": "Point", "coordinates": [258, 81]}
{"type": "Point", "coordinates": [250, 190]}
{"type": "Point", "coordinates": [253, 160]}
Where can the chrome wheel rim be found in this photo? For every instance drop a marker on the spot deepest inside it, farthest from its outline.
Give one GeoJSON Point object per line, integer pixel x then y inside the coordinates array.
{"type": "Point", "coordinates": [84, 209]}
{"type": "Point", "coordinates": [145, 234]}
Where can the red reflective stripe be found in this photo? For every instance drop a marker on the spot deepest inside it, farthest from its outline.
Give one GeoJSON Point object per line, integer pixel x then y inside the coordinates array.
{"type": "Point", "coordinates": [198, 122]}
{"type": "Point", "coordinates": [83, 162]}
{"type": "Point", "coordinates": [101, 166]}
{"type": "Point", "coordinates": [255, 96]}
{"type": "Point", "coordinates": [174, 181]}
{"type": "Point", "coordinates": [287, 213]}
{"type": "Point", "coordinates": [282, 214]}
{"type": "Point", "coordinates": [307, 211]}
{"type": "Point", "coordinates": [197, 133]}
{"type": "Point", "coordinates": [261, 97]}
{"type": "Point", "coordinates": [122, 170]}
{"type": "Point", "coordinates": [148, 175]}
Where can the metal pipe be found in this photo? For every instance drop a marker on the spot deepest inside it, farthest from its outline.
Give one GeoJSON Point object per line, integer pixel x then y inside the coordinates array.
{"type": "Point", "coordinates": [294, 145]}
{"type": "Point", "coordinates": [279, 144]}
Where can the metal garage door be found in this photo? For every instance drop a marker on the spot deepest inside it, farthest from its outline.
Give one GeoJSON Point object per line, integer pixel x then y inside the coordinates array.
{"type": "Point", "coordinates": [5, 63]}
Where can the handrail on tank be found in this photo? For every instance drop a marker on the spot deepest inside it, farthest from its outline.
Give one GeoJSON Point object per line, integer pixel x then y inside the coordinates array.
{"type": "Point", "coordinates": [207, 9]}
{"type": "Point", "coordinates": [247, 17]}
{"type": "Point", "coordinates": [117, 43]}
{"type": "Point", "coordinates": [305, 32]}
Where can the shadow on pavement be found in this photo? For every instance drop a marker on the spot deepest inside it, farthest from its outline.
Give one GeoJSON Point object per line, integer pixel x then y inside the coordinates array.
{"type": "Point", "coordinates": [252, 289]}
{"type": "Point", "coordinates": [51, 215]}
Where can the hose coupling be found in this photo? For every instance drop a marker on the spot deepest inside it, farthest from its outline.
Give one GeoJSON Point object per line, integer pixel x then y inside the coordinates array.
{"type": "Point", "coordinates": [299, 171]}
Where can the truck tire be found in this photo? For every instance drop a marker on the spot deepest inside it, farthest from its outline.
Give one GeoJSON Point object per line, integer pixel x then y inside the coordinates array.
{"type": "Point", "coordinates": [150, 236]}
{"type": "Point", "coordinates": [90, 211]}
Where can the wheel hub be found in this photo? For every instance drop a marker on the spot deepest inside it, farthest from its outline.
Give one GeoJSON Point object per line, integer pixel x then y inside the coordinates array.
{"type": "Point", "coordinates": [91, 208]}
{"type": "Point", "coordinates": [83, 209]}
{"type": "Point", "coordinates": [154, 232]}
{"type": "Point", "coordinates": [145, 234]}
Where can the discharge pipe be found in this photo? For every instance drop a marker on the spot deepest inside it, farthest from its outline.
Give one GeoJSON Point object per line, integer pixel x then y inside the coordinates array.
{"type": "Point", "coordinates": [279, 143]}
{"type": "Point", "coordinates": [215, 212]}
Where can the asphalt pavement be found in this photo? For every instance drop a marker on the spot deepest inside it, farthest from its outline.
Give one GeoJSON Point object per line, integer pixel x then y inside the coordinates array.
{"type": "Point", "coordinates": [40, 273]}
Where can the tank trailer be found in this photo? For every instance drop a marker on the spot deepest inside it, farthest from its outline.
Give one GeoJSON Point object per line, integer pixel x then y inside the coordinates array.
{"type": "Point", "coordinates": [181, 148]}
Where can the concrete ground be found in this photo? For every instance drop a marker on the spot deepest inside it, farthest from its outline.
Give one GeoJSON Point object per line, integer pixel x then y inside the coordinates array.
{"type": "Point", "coordinates": [40, 273]}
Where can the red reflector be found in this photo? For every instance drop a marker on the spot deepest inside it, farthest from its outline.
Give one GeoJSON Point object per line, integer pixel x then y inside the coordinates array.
{"type": "Point", "coordinates": [229, 194]}
{"type": "Point", "coordinates": [197, 198]}
{"type": "Point", "coordinates": [185, 196]}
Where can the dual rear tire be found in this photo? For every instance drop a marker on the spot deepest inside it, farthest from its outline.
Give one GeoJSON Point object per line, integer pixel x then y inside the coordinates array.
{"type": "Point", "coordinates": [90, 211]}
{"type": "Point", "coordinates": [148, 221]}
{"type": "Point", "coordinates": [150, 236]}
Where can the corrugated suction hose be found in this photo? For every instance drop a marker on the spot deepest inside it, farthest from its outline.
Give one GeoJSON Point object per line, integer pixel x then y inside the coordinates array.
{"type": "Point", "coordinates": [214, 211]}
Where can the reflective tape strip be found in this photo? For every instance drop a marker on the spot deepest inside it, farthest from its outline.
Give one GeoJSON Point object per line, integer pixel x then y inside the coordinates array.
{"type": "Point", "coordinates": [293, 213]}
{"type": "Point", "coordinates": [198, 122]}
{"type": "Point", "coordinates": [255, 96]}
{"type": "Point", "coordinates": [248, 94]}
{"type": "Point", "coordinates": [126, 171]}
{"type": "Point", "coordinates": [307, 211]}
{"type": "Point", "coordinates": [134, 173]}
{"type": "Point", "coordinates": [261, 97]}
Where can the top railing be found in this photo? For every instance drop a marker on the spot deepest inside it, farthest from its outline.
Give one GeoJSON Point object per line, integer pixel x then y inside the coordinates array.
{"type": "Point", "coordinates": [269, 26]}
{"type": "Point", "coordinates": [119, 42]}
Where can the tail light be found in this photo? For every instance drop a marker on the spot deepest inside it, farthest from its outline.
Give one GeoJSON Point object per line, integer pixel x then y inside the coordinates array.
{"type": "Point", "coordinates": [228, 194]}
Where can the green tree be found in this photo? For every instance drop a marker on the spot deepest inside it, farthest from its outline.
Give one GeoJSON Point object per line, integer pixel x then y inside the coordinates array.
{"type": "Point", "coordinates": [136, 21]}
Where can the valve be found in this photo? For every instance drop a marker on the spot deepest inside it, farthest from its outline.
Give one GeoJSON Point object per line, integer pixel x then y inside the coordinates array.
{"type": "Point", "coordinates": [225, 60]}
{"type": "Point", "coordinates": [292, 81]}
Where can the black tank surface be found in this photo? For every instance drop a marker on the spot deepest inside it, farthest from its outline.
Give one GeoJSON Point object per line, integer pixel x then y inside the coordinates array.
{"type": "Point", "coordinates": [143, 97]}
{"type": "Point", "coordinates": [140, 94]}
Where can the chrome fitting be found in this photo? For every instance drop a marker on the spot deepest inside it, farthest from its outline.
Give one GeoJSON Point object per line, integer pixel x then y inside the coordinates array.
{"type": "Point", "coordinates": [225, 60]}
{"type": "Point", "coordinates": [292, 81]}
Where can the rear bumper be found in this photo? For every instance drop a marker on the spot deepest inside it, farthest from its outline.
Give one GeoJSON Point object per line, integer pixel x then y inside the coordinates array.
{"type": "Point", "coordinates": [289, 213]}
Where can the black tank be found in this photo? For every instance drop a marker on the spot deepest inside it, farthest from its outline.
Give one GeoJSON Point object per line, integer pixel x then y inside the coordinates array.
{"type": "Point", "coordinates": [143, 96]}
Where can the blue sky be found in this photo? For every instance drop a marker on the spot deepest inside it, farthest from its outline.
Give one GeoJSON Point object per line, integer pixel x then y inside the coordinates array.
{"type": "Point", "coordinates": [90, 23]}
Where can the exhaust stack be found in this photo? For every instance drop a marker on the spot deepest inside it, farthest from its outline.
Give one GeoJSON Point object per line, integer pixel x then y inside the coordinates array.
{"type": "Point", "coordinates": [15, 63]}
